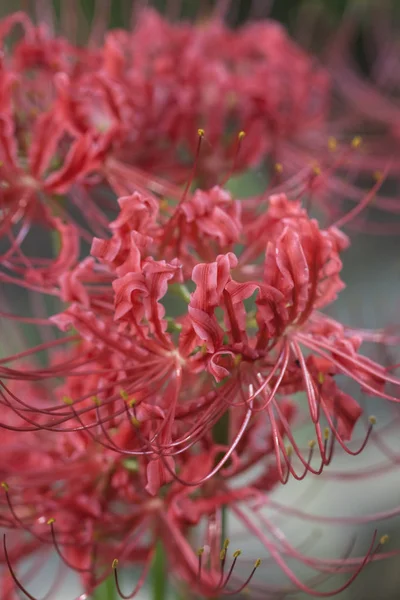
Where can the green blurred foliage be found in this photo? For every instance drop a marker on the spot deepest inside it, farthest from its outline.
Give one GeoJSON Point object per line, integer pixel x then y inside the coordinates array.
{"type": "Point", "coordinates": [283, 10]}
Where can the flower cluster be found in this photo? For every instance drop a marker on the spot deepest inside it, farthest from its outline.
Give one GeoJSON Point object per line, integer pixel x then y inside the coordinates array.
{"type": "Point", "coordinates": [75, 120]}
{"type": "Point", "coordinates": [191, 339]}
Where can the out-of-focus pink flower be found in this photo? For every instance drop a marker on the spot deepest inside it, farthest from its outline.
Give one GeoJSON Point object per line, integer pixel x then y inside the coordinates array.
{"type": "Point", "coordinates": [368, 100]}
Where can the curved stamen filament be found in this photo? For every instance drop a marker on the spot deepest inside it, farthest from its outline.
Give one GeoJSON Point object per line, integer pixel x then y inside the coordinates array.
{"type": "Point", "coordinates": [12, 572]}
{"type": "Point", "coordinates": [364, 203]}
{"type": "Point", "coordinates": [276, 555]}
{"type": "Point", "coordinates": [140, 582]}
{"type": "Point", "coordinates": [220, 463]}
{"type": "Point", "coordinates": [60, 554]}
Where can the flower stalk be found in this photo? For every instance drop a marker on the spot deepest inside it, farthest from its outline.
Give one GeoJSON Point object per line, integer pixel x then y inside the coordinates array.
{"type": "Point", "coordinates": [159, 574]}
{"type": "Point", "coordinates": [107, 590]}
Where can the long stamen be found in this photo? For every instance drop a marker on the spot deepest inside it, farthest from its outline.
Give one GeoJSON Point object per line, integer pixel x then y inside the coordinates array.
{"type": "Point", "coordinates": [200, 134]}
{"type": "Point", "coordinates": [17, 519]}
{"type": "Point", "coordinates": [57, 548]}
{"type": "Point", "coordinates": [245, 583]}
{"type": "Point", "coordinates": [278, 558]}
{"type": "Point", "coordinates": [12, 572]}
{"type": "Point", "coordinates": [140, 582]}
{"type": "Point", "coordinates": [240, 137]}
{"type": "Point", "coordinates": [364, 203]}
{"type": "Point", "coordinates": [169, 228]}
{"type": "Point", "coordinates": [200, 553]}
{"type": "Point", "coordinates": [222, 558]}
{"type": "Point", "coordinates": [220, 463]}
{"type": "Point", "coordinates": [235, 555]}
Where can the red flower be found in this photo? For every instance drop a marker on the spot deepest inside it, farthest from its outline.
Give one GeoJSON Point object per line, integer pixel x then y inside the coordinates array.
{"type": "Point", "coordinates": [193, 339]}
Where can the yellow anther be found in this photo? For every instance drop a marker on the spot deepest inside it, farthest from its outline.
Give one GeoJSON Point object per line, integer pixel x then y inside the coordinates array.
{"type": "Point", "coordinates": [311, 444]}
{"type": "Point", "coordinates": [321, 378]}
{"type": "Point", "coordinates": [123, 395]}
{"type": "Point", "coordinates": [115, 563]}
{"type": "Point", "coordinates": [200, 132]}
{"type": "Point", "coordinates": [237, 360]}
{"type": "Point", "coordinates": [1, 163]}
{"type": "Point", "coordinates": [200, 552]}
{"type": "Point", "coordinates": [316, 169]}
{"type": "Point", "coordinates": [241, 135]}
{"type": "Point", "coordinates": [222, 554]}
{"type": "Point", "coordinates": [278, 167]}
{"type": "Point", "coordinates": [332, 144]}
{"type": "Point", "coordinates": [237, 553]}
{"type": "Point", "coordinates": [289, 450]}
{"type": "Point", "coordinates": [132, 402]}
{"type": "Point", "coordinates": [384, 539]}
{"type": "Point", "coordinates": [372, 420]}
{"type": "Point", "coordinates": [131, 464]}
{"type": "Point", "coordinates": [164, 204]}
{"type": "Point", "coordinates": [378, 175]}
{"type": "Point", "coordinates": [135, 422]}
{"type": "Point", "coordinates": [51, 521]}
{"type": "Point", "coordinates": [257, 563]}
{"type": "Point", "coordinates": [356, 141]}
{"type": "Point", "coordinates": [326, 433]}
{"type": "Point", "coordinates": [252, 323]}
{"type": "Point", "coordinates": [67, 400]}
{"type": "Point", "coordinates": [4, 485]}
{"type": "Point", "coordinates": [96, 400]}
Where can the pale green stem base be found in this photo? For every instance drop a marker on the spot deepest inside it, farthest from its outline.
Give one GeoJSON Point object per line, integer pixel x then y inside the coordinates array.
{"type": "Point", "coordinates": [107, 590]}
{"type": "Point", "coordinates": [158, 575]}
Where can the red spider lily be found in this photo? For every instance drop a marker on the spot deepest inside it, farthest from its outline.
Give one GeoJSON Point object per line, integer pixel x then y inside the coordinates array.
{"type": "Point", "coordinates": [140, 104]}
{"type": "Point", "coordinates": [194, 338]}
{"type": "Point", "coordinates": [257, 355]}
{"type": "Point", "coordinates": [75, 118]}
{"type": "Point", "coordinates": [222, 81]}
{"type": "Point", "coordinates": [39, 161]}
{"type": "Point", "coordinates": [97, 512]}
{"type": "Point", "coordinates": [301, 274]}
{"type": "Point", "coordinates": [129, 425]}
{"type": "Point", "coordinates": [110, 116]}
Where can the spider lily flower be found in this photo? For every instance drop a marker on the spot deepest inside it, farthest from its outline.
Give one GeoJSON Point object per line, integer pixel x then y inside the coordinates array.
{"type": "Point", "coordinates": [135, 106]}
{"type": "Point", "coordinates": [171, 382]}
{"type": "Point", "coordinates": [127, 411]}
{"type": "Point", "coordinates": [84, 129]}
{"type": "Point", "coordinates": [40, 161]}
{"type": "Point", "coordinates": [220, 84]}
{"type": "Point", "coordinates": [192, 340]}
{"type": "Point", "coordinates": [100, 511]}
{"type": "Point", "coordinates": [98, 516]}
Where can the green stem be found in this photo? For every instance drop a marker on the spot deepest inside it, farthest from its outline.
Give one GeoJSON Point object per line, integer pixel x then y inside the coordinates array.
{"type": "Point", "coordinates": [159, 574]}
{"type": "Point", "coordinates": [107, 590]}
{"type": "Point", "coordinates": [220, 435]}
{"type": "Point", "coordinates": [180, 290]}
